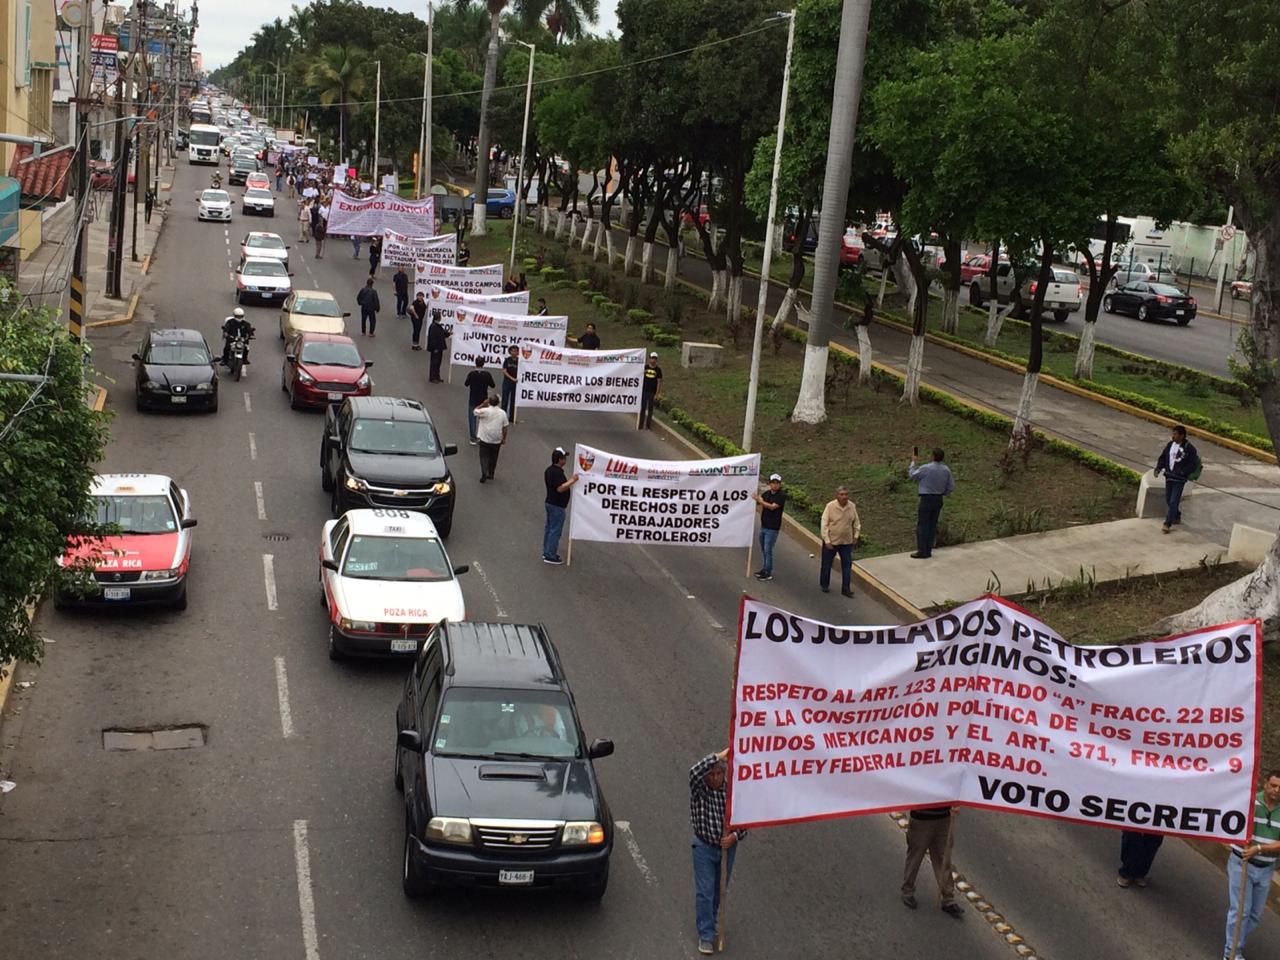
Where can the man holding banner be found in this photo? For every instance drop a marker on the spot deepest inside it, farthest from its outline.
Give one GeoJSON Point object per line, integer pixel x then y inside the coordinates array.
{"type": "Point", "coordinates": [714, 847]}
{"type": "Point", "coordinates": [557, 502]}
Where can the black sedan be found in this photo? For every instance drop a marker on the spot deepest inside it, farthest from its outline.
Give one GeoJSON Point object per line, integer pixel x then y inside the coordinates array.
{"type": "Point", "coordinates": [1152, 301]}
{"type": "Point", "coordinates": [174, 370]}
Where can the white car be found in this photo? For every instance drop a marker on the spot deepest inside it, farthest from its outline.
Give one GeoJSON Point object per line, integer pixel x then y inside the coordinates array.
{"type": "Point", "coordinates": [269, 245]}
{"type": "Point", "coordinates": [259, 278]}
{"type": "Point", "coordinates": [214, 205]}
{"type": "Point", "coordinates": [259, 201]}
{"type": "Point", "coordinates": [386, 581]}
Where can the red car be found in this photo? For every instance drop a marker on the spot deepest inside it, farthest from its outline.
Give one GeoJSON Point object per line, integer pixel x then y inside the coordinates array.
{"type": "Point", "coordinates": [977, 265]}
{"type": "Point", "coordinates": [257, 180]}
{"type": "Point", "coordinates": [703, 216]}
{"type": "Point", "coordinates": [850, 248]}
{"type": "Point", "coordinates": [323, 368]}
{"type": "Point", "coordinates": [102, 175]}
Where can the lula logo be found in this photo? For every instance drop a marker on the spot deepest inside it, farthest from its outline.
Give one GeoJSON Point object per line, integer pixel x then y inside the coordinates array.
{"type": "Point", "coordinates": [620, 468]}
{"type": "Point", "coordinates": [586, 460]}
{"type": "Point", "coordinates": [526, 352]}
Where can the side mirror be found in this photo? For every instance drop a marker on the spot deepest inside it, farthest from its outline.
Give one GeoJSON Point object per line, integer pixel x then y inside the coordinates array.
{"type": "Point", "coordinates": [288, 247]}
{"type": "Point", "coordinates": [330, 565]}
{"type": "Point", "coordinates": [188, 523]}
{"type": "Point", "coordinates": [291, 274]}
{"type": "Point", "coordinates": [599, 749]}
{"type": "Point", "coordinates": [290, 358]}
{"type": "Point", "coordinates": [368, 364]}
{"type": "Point", "coordinates": [450, 449]}
{"type": "Point", "coordinates": [347, 314]}
{"type": "Point", "coordinates": [335, 443]}
{"type": "Point", "coordinates": [136, 357]}
{"type": "Point", "coordinates": [409, 740]}
{"type": "Point", "coordinates": [461, 569]}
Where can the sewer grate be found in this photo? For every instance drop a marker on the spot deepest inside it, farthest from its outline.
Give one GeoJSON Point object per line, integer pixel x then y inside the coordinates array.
{"type": "Point", "coordinates": [276, 537]}
{"type": "Point", "coordinates": [182, 737]}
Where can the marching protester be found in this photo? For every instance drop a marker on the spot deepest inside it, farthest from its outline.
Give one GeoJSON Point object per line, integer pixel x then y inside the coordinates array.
{"type": "Point", "coordinates": [589, 340]}
{"type": "Point", "coordinates": [320, 226]}
{"type": "Point", "coordinates": [491, 432]}
{"type": "Point", "coordinates": [478, 383]}
{"type": "Point", "coordinates": [931, 831]}
{"type": "Point", "coordinates": [542, 306]}
{"type": "Point", "coordinates": [714, 848]}
{"type": "Point", "coordinates": [772, 502]}
{"type": "Point", "coordinates": [1137, 852]}
{"type": "Point", "coordinates": [375, 253]}
{"type": "Point", "coordinates": [367, 298]}
{"type": "Point", "coordinates": [437, 343]}
{"type": "Point", "coordinates": [558, 487]}
{"type": "Point", "coordinates": [649, 391]}
{"type": "Point", "coordinates": [933, 482]}
{"type": "Point", "coordinates": [417, 313]}
{"type": "Point", "coordinates": [400, 280]}
{"type": "Point", "coordinates": [841, 530]}
{"type": "Point", "coordinates": [464, 253]}
{"type": "Point", "coordinates": [510, 377]}
{"type": "Point", "coordinates": [304, 220]}
{"type": "Point", "coordinates": [1179, 461]}
{"type": "Point", "coordinates": [355, 246]}
{"type": "Point", "coordinates": [1251, 868]}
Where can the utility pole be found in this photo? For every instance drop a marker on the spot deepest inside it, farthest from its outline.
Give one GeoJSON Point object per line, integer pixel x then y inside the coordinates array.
{"type": "Point", "coordinates": [141, 165]}
{"type": "Point", "coordinates": [377, 127]}
{"type": "Point", "coordinates": [84, 34]}
{"type": "Point", "coordinates": [123, 137]}
{"type": "Point", "coordinates": [424, 138]}
{"type": "Point", "coordinates": [524, 139]}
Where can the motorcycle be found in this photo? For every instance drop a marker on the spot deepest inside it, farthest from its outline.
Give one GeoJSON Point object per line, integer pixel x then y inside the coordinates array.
{"type": "Point", "coordinates": [238, 355]}
{"type": "Point", "coordinates": [216, 181]}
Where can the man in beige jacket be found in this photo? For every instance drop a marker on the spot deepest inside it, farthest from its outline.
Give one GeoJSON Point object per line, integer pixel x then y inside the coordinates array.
{"type": "Point", "coordinates": [840, 531]}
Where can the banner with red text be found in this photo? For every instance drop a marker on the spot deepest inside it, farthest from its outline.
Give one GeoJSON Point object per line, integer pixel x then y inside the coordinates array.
{"type": "Point", "coordinates": [479, 281]}
{"type": "Point", "coordinates": [568, 379]}
{"type": "Point", "coordinates": [399, 250]}
{"type": "Point", "coordinates": [449, 301]}
{"type": "Point", "coordinates": [489, 335]}
{"type": "Point", "coordinates": [704, 503]}
{"type": "Point", "coordinates": [370, 216]}
{"type": "Point", "coordinates": [986, 706]}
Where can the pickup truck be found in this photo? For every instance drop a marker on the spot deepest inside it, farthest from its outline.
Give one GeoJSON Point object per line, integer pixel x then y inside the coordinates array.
{"type": "Point", "coordinates": [1063, 296]}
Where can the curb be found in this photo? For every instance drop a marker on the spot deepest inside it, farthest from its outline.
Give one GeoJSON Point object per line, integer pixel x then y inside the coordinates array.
{"type": "Point", "coordinates": [9, 669]}
{"type": "Point", "coordinates": [118, 321]}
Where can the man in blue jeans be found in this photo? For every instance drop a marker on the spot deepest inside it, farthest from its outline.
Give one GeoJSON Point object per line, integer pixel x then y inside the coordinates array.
{"type": "Point", "coordinates": [1259, 859]}
{"type": "Point", "coordinates": [558, 487]}
{"type": "Point", "coordinates": [710, 840]}
{"type": "Point", "coordinates": [1179, 462]}
{"type": "Point", "coordinates": [772, 502]}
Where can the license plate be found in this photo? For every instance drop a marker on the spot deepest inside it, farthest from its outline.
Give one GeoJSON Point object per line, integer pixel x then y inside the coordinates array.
{"type": "Point", "coordinates": [515, 876]}
{"type": "Point", "coordinates": [178, 399]}
{"type": "Point", "coordinates": [334, 396]}
{"type": "Point", "coordinates": [1181, 313]}
{"type": "Point", "coordinates": [409, 646]}
{"type": "Point", "coordinates": [115, 593]}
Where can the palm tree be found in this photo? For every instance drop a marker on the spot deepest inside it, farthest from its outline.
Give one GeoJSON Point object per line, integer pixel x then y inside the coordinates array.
{"type": "Point", "coordinates": [565, 19]}
{"type": "Point", "coordinates": [338, 74]}
{"type": "Point", "coordinates": [495, 8]}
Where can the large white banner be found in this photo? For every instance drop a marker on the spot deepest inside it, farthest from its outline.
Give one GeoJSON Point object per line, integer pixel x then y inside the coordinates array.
{"type": "Point", "coordinates": [568, 379]}
{"type": "Point", "coordinates": [489, 335]}
{"type": "Point", "coordinates": [449, 301]}
{"type": "Point", "coordinates": [480, 281]}
{"type": "Point", "coordinates": [370, 216]}
{"type": "Point", "coordinates": [399, 250]}
{"type": "Point", "coordinates": [687, 502]}
{"type": "Point", "coordinates": [986, 706]}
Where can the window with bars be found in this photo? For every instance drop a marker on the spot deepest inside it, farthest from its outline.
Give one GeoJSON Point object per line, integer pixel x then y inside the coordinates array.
{"type": "Point", "coordinates": [40, 100]}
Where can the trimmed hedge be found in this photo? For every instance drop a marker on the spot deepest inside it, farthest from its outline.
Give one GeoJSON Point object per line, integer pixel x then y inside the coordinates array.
{"type": "Point", "coordinates": [639, 316]}
{"type": "Point", "coordinates": [551, 274]}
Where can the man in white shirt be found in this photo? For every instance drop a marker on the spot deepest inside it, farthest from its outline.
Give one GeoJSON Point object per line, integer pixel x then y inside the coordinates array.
{"type": "Point", "coordinates": [491, 432]}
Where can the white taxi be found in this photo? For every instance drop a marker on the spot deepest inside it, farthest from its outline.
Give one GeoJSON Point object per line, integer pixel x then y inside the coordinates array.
{"type": "Point", "coordinates": [147, 560]}
{"type": "Point", "coordinates": [386, 581]}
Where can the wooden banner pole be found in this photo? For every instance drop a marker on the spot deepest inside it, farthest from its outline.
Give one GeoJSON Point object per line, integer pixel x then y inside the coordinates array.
{"type": "Point", "coordinates": [724, 886]}
{"type": "Point", "coordinates": [1241, 907]}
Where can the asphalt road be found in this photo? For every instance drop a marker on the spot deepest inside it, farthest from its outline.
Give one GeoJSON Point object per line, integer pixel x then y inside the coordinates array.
{"type": "Point", "coordinates": [281, 836]}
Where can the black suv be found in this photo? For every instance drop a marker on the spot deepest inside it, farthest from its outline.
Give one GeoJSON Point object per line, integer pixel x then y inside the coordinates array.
{"type": "Point", "coordinates": [384, 452]}
{"type": "Point", "coordinates": [499, 789]}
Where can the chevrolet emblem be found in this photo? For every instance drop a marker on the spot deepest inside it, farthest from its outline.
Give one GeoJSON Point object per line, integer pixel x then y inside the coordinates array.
{"type": "Point", "coordinates": [399, 493]}
{"type": "Point", "coordinates": [519, 838]}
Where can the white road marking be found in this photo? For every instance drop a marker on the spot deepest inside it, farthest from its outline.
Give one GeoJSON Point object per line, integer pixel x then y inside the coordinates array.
{"type": "Point", "coordinates": [248, 404]}
{"type": "Point", "coordinates": [500, 613]}
{"type": "Point", "coordinates": [634, 849]}
{"type": "Point", "coordinates": [253, 446]}
{"type": "Point", "coordinates": [282, 695]}
{"type": "Point", "coordinates": [306, 901]}
{"type": "Point", "coordinates": [683, 590]}
{"type": "Point", "coordinates": [269, 578]}
{"type": "Point", "coordinates": [262, 503]}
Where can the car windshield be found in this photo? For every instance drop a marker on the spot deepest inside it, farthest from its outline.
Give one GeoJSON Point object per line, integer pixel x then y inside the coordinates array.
{"type": "Point", "coordinates": [264, 268]}
{"type": "Point", "coordinates": [178, 353]}
{"type": "Point", "coordinates": [264, 243]}
{"type": "Point", "coordinates": [402, 437]}
{"type": "Point", "coordinates": [215, 196]}
{"type": "Point", "coordinates": [1166, 290]}
{"type": "Point", "coordinates": [137, 514]}
{"type": "Point", "coordinates": [494, 724]}
{"type": "Point", "coordinates": [396, 558]}
{"type": "Point", "coordinates": [331, 354]}
{"type": "Point", "coordinates": [1064, 276]}
{"type": "Point", "coordinates": [257, 194]}
{"type": "Point", "coordinates": [316, 307]}
{"type": "Point", "coordinates": [204, 138]}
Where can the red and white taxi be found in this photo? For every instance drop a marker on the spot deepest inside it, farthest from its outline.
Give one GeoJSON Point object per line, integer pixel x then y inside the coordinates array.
{"type": "Point", "coordinates": [147, 561]}
{"type": "Point", "coordinates": [386, 581]}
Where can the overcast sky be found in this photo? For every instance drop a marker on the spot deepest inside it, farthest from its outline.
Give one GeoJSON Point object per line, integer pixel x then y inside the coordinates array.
{"type": "Point", "coordinates": [226, 25]}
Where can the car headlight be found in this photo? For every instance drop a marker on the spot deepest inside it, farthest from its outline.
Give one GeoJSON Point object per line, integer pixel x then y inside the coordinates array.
{"type": "Point", "coordinates": [149, 385]}
{"type": "Point", "coordinates": [202, 388]}
{"type": "Point", "coordinates": [582, 833]}
{"type": "Point", "coordinates": [449, 830]}
{"type": "Point", "coordinates": [355, 483]}
{"type": "Point", "coordinates": [363, 382]}
{"type": "Point", "coordinates": [441, 487]}
{"type": "Point", "coordinates": [366, 626]}
{"type": "Point", "coordinates": [304, 377]}
{"type": "Point", "coordinates": [158, 574]}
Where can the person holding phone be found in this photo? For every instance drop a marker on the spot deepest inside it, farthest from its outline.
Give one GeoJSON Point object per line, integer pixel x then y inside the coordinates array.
{"type": "Point", "coordinates": [933, 482]}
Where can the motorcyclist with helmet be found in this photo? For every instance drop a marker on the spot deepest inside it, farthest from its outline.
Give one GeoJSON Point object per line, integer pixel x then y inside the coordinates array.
{"type": "Point", "coordinates": [234, 326]}
{"type": "Point", "coordinates": [215, 181]}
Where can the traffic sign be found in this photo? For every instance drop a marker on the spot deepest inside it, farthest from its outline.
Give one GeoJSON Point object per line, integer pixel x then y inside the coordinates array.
{"type": "Point", "coordinates": [72, 13]}
{"type": "Point", "coordinates": [1228, 232]}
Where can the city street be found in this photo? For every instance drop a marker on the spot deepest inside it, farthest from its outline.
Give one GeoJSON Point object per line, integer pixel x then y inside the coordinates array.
{"type": "Point", "coordinates": [281, 836]}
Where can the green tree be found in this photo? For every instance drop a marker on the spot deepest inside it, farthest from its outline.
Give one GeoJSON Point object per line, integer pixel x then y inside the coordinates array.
{"type": "Point", "coordinates": [564, 19]}
{"type": "Point", "coordinates": [338, 75]}
{"type": "Point", "coordinates": [49, 443]}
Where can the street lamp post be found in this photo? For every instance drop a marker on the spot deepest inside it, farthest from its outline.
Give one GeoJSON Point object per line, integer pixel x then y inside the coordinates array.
{"type": "Point", "coordinates": [524, 140]}
{"type": "Point", "coordinates": [377, 126]}
{"type": "Point", "coordinates": [753, 384]}
{"type": "Point", "coordinates": [424, 138]}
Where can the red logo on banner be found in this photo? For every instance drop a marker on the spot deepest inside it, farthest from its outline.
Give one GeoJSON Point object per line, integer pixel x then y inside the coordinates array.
{"type": "Point", "coordinates": [586, 460]}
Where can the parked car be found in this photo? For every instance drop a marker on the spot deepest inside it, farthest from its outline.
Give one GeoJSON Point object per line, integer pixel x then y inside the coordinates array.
{"type": "Point", "coordinates": [1062, 296]}
{"type": "Point", "coordinates": [851, 249]}
{"type": "Point", "coordinates": [500, 203]}
{"type": "Point", "coordinates": [1132, 273]}
{"type": "Point", "coordinates": [1241, 289]}
{"type": "Point", "coordinates": [1152, 301]}
{"type": "Point", "coordinates": [103, 175]}
{"type": "Point", "coordinates": [174, 370]}
{"type": "Point", "coordinates": [323, 368]}
{"type": "Point", "coordinates": [704, 216]}
{"type": "Point", "coordinates": [976, 266]}
{"type": "Point", "coordinates": [497, 774]}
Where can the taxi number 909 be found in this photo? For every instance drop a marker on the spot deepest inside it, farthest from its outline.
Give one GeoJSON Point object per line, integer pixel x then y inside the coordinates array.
{"type": "Point", "coordinates": [395, 514]}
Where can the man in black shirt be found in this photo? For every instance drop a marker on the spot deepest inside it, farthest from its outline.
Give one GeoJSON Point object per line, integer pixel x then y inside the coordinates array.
{"type": "Point", "coordinates": [401, 282]}
{"type": "Point", "coordinates": [589, 340]}
{"type": "Point", "coordinates": [542, 307]}
{"type": "Point", "coordinates": [437, 341]}
{"type": "Point", "coordinates": [417, 313]}
{"type": "Point", "coordinates": [558, 486]}
{"type": "Point", "coordinates": [649, 391]}
{"type": "Point", "coordinates": [510, 375]}
{"type": "Point", "coordinates": [772, 502]}
{"type": "Point", "coordinates": [478, 383]}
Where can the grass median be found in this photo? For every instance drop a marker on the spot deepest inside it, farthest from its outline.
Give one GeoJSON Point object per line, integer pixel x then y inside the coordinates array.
{"type": "Point", "coordinates": [866, 441]}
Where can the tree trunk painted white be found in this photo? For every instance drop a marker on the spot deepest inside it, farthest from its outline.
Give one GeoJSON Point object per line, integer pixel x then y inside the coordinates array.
{"type": "Point", "coordinates": [906, 283]}
{"type": "Point", "coordinates": [1084, 355]}
{"type": "Point", "coordinates": [1254, 595]}
{"type": "Point", "coordinates": [586, 234]}
{"type": "Point", "coordinates": [646, 261]}
{"type": "Point", "coordinates": [915, 365]}
{"type": "Point", "coordinates": [560, 219]}
{"type": "Point", "coordinates": [546, 219]}
{"type": "Point", "coordinates": [995, 320]}
{"type": "Point", "coordinates": [573, 229]}
{"type": "Point", "coordinates": [673, 264]}
{"type": "Point", "coordinates": [864, 353]}
{"type": "Point", "coordinates": [629, 257]}
{"type": "Point", "coordinates": [811, 403]}
{"type": "Point", "coordinates": [784, 309]}
{"type": "Point", "coordinates": [733, 303]}
{"type": "Point", "coordinates": [718, 289]}
{"type": "Point", "coordinates": [950, 311]}
{"type": "Point", "coordinates": [610, 254]}
{"type": "Point", "coordinates": [1026, 406]}
{"type": "Point", "coordinates": [884, 280]}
